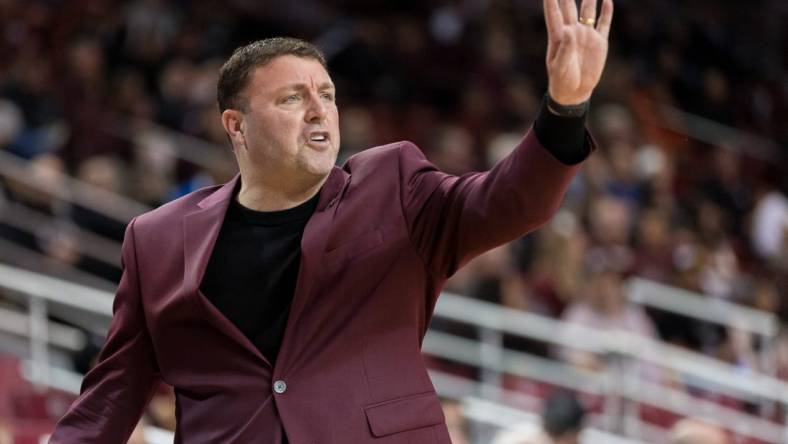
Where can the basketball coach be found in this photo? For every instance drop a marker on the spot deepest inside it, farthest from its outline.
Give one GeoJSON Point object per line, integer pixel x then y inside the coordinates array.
{"type": "Point", "coordinates": [289, 304]}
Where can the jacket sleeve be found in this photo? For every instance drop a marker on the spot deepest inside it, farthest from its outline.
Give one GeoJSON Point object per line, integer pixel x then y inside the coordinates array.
{"type": "Point", "coordinates": [115, 392]}
{"type": "Point", "coordinates": [452, 219]}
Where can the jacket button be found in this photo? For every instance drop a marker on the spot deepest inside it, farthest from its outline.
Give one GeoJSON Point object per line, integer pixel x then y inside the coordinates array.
{"type": "Point", "coordinates": [280, 386]}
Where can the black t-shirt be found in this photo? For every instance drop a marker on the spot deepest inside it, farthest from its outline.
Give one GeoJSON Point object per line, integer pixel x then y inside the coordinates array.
{"type": "Point", "coordinates": [252, 273]}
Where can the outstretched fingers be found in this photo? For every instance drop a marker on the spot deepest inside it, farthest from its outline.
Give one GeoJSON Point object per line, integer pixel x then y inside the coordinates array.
{"type": "Point", "coordinates": [553, 19]}
{"type": "Point", "coordinates": [605, 18]}
{"type": "Point", "coordinates": [569, 11]}
{"type": "Point", "coordinates": [588, 11]}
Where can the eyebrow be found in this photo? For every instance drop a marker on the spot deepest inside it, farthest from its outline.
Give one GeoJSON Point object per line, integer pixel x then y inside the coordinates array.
{"type": "Point", "coordinates": [303, 86]}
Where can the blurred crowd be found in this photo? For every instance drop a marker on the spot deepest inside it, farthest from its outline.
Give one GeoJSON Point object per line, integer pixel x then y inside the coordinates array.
{"type": "Point", "coordinates": [92, 88]}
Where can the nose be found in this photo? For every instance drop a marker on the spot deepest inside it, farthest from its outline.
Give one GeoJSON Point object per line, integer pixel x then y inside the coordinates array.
{"type": "Point", "coordinates": [316, 111]}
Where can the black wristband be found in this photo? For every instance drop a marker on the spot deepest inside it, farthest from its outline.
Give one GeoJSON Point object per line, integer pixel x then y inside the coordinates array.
{"type": "Point", "coordinates": [578, 110]}
{"type": "Point", "coordinates": [564, 137]}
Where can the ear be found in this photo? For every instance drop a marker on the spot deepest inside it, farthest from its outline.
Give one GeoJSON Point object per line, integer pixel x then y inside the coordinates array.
{"type": "Point", "coordinates": [232, 121]}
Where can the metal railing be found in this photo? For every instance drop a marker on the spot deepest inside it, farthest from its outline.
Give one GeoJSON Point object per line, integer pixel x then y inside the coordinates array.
{"type": "Point", "coordinates": [712, 310]}
{"type": "Point", "coordinates": [200, 152]}
{"type": "Point", "coordinates": [623, 387]}
{"type": "Point", "coordinates": [717, 134]}
{"type": "Point", "coordinates": [697, 306]}
{"type": "Point", "coordinates": [32, 221]}
{"type": "Point", "coordinates": [112, 205]}
{"type": "Point", "coordinates": [618, 381]}
{"type": "Point", "coordinates": [23, 257]}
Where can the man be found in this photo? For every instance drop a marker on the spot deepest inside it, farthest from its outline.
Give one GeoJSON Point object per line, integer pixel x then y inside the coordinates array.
{"type": "Point", "coordinates": [289, 304]}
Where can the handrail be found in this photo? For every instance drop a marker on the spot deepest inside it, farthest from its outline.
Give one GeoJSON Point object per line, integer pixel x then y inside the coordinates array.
{"type": "Point", "coordinates": [475, 408]}
{"type": "Point", "coordinates": [724, 376]}
{"type": "Point", "coordinates": [715, 133]}
{"type": "Point", "coordinates": [107, 203]}
{"type": "Point", "coordinates": [457, 387]}
{"type": "Point", "coordinates": [694, 305]}
{"type": "Point", "coordinates": [55, 290]}
{"type": "Point", "coordinates": [508, 401]}
{"type": "Point", "coordinates": [483, 410]}
{"type": "Point", "coordinates": [466, 351]}
{"type": "Point", "coordinates": [59, 335]}
{"type": "Point", "coordinates": [23, 258]}
{"type": "Point", "coordinates": [192, 149]}
{"type": "Point", "coordinates": [90, 244]}
{"type": "Point", "coordinates": [479, 313]}
{"type": "Point", "coordinates": [688, 405]}
{"type": "Point", "coordinates": [70, 382]}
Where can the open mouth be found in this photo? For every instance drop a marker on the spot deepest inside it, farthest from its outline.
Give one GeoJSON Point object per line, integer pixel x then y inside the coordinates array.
{"type": "Point", "coordinates": [318, 139]}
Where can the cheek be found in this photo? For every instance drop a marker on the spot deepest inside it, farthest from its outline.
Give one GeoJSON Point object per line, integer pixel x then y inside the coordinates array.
{"type": "Point", "coordinates": [278, 133]}
{"type": "Point", "coordinates": [335, 124]}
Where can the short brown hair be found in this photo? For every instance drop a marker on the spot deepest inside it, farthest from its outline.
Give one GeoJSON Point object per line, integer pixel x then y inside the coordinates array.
{"type": "Point", "coordinates": [234, 74]}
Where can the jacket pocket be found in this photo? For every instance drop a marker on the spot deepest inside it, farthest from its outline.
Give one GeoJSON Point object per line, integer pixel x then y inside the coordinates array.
{"type": "Point", "coordinates": [402, 414]}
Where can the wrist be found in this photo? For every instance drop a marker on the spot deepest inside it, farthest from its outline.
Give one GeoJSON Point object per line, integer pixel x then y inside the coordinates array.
{"type": "Point", "coordinates": [563, 110]}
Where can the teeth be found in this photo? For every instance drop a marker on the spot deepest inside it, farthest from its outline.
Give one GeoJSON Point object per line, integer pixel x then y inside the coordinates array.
{"type": "Point", "coordinates": [318, 138]}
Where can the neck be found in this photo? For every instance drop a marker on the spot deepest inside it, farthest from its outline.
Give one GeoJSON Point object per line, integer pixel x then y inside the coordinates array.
{"type": "Point", "coordinates": [260, 196]}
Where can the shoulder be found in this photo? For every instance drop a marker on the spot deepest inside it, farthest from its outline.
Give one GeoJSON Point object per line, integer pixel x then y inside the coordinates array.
{"type": "Point", "coordinates": [384, 153]}
{"type": "Point", "coordinates": [173, 211]}
{"type": "Point", "coordinates": [403, 157]}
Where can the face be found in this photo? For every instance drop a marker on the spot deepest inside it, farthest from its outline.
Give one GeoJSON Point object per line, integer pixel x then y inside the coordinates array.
{"type": "Point", "coordinates": [290, 124]}
{"type": "Point", "coordinates": [607, 293]}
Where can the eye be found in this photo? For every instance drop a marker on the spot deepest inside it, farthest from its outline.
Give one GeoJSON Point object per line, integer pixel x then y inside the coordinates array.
{"type": "Point", "coordinates": [291, 98]}
{"type": "Point", "coordinates": [327, 96]}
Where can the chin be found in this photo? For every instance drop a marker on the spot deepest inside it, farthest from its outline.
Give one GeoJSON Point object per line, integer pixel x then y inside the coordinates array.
{"type": "Point", "coordinates": [322, 166]}
{"type": "Point", "coordinates": [318, 170]}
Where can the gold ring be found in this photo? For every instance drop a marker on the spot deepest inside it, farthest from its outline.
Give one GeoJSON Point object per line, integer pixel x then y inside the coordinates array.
{"type": "Point", "coordinates": [587, 21]}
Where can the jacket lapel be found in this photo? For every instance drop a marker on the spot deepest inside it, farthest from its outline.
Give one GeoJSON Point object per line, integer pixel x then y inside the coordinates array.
{"type": "Point", "coordinates": [312, 246]}
{"type": "Point", "coordinates": [200, 231]}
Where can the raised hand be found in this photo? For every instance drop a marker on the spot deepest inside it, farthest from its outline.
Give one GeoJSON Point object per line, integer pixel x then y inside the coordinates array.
{"type": "Point", "coordinates": [576, 48]}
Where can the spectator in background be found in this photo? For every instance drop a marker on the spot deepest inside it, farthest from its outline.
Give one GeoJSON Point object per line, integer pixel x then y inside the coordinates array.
{"type": "Point", "coordinates": [527, 433]}
{"type": "Point", "coordinates": [138, 435]}
{"type": "Point", "coordinates": [47, 171]}
{"type": "Point", "coordinates": [769, 232]}
{"type": "Point", "coordinates": [553, 273]}
{"type": "Point", "coordinates": [455, 421]}
{"type": "Point", "coordinates": [5, 434]}
{"type": "Point", "coordinates": [610, 220]}
{"type": "Point", "coordinates": [781, 349]}
{"type": "Point", "coordinates": [623, 182]}
{"type": "Point", "coordinates": [562, 423]}
{"type": "Point", "coordinates": [653, 246]}
{"type": "Point", "coordinates": [562, 418]}
{"type": "Point", "coordinates": [452, 150]}
{"type": "Point", "coordinates": [691, 431]}
{"type": "Point", "coordinates": [603, 306]}
{"type": "Point", "coordinates": [11, 122]}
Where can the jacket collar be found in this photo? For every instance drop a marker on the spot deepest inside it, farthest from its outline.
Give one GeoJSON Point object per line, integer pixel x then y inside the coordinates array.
{"type": "Point", "coordinates": [329, 192]}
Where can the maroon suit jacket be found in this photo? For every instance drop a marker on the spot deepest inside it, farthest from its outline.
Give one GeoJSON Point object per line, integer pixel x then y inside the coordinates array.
{"type": "Point", "coordinates": [388, 231]}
